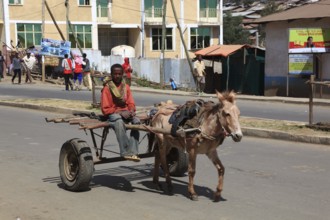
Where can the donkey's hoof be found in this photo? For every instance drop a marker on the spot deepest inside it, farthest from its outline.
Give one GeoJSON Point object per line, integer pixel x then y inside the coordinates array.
{"type": "Point", "coordinates": [193, 197]}
{"type": "Point", "coordinates": [158, 186]}
{"type": "Point", "coordinates": [218, 198]}
{"type": "Point", "coordinates": [170, 189]}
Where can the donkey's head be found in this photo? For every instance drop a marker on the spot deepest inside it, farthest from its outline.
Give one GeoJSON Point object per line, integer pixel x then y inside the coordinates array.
{"type": "Point", "coordinates": [229, 114]}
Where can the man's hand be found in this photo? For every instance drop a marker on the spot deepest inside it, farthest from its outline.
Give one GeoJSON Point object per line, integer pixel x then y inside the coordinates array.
{"type": "Point", "coordinates": [125, 114]}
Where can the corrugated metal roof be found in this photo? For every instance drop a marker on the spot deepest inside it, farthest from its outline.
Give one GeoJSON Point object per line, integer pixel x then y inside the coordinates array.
{"type": "Point", "coordinates": [315, 10]}
{"type": "Point", "coordinates": [243, 13]}
{"type": "Point", "coordinates": [219, 50]}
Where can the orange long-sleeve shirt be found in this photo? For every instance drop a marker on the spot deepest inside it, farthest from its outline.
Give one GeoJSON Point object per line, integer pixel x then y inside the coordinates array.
{"type": "Point", "coordinates": [109, 107]}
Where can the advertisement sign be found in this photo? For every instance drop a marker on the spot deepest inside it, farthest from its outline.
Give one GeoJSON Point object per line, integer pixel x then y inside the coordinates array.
{"type": "Point", "coordinates": [301, 64]}
{"type": "Point", "coordinates": [50, 47]}
{"type": "Point", "coordinates": [309, 40]}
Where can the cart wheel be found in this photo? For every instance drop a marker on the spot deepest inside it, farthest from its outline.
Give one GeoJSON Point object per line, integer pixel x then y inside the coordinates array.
{"type": "Point", "coordinates": [76, 165]}
{"type": "Point", "coordinates": [177, 161]}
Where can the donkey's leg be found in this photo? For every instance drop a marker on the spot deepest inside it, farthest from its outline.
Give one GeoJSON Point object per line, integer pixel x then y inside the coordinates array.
{"type": "Point", "coordinates": [156, 168]}
{"type": "Point", "coordinates": [213, 156]}
{"type": "Point", "coordinates": [163, 162]}
{"type": "Point", "coordinates": [191, 173]}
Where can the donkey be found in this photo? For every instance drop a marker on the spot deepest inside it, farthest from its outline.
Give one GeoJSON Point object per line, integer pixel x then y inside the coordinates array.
{"type": "Point", "coordinates": [215, 123]}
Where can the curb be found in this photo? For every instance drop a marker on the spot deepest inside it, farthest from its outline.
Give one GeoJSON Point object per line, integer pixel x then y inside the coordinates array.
{"type": "Point", "coordinates": [248, 131]}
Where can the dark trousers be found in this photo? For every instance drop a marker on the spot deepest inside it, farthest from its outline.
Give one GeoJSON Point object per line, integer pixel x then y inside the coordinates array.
{"type": "Point", "coordinates": [67, 81]}
{"type": "Point", "coordinates": [19, 73]}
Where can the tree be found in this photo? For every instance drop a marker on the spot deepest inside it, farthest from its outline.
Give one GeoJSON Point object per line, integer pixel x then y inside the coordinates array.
{"type": "Point", "coordinates": [233, 32]}
{"type": "Point", "coordinates": [270, 8]}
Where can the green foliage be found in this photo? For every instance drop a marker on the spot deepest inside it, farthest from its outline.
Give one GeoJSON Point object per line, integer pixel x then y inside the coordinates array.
{"type": "Point", "coordinates": [142, 82]}
{"type": "Point", "coordinates": [233, 32]}
{"type": "Point", "coordinates": [270, 8]}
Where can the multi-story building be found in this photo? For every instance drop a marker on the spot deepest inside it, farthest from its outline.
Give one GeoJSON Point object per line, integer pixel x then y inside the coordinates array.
{"type": "Point", "coordinates": [104, 24]}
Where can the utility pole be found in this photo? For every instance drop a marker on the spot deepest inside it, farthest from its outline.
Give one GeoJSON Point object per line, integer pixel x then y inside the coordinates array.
{"type": "Point", "coordinates": [43, 36]}
{"type": "Point", "coordinates": [162, 54]}
{"type": "Point", "coordinates": [142, 28]}
{"type": "Point", "coordinates": [182, 39]}
{"type": "Point", "coordinates": [221, 22]}
{"type": "Point", "coordinates": [67, 19]}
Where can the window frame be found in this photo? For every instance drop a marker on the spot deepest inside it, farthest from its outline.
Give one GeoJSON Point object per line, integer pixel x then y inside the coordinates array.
{"type": "Point", "coordinates": [32, 32]}
{"type": "Point", "coordinates": [207, 9]}
{"type": "Point", "coordinates": [21, 2]}
{"type": "Point", "coordinates": [152, 9]}
{"type": "Point", "coordinates": [197, 36]}
{"type": "Point", "coordinates": [85, 3]}
{"type": "Point", "coordinates": [82, 34]}
{"type": "Point", "coordinates": [159, 38]}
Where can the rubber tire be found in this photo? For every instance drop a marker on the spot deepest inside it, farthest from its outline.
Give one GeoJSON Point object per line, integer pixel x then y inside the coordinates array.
{"type": "Point", "coordinates": [177, 161]}
{"type": "Point", "coordinates": [76, 177]}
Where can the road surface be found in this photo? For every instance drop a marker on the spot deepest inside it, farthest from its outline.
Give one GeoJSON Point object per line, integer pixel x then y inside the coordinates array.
{"type": "Point", "coordinates": [265, 179]}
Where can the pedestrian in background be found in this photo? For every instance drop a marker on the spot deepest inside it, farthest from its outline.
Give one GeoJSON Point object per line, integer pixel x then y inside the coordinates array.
{"type": "Point", "coordinates": [2, 62]}
{"type": "Point", "coordinates": [17, 68]}
{"type": "Point", "coordinates": [67, 71]}
{"type": "Point", "coordinates": [199, 72]}
{"type": "Point", "coordinates": [29, 61]}
{"type": "Point", "coordinates": [87, 72]}
{"type": "Point", "coordinates": [127, 70]}
{"type": "Point", "coordinates": [173, 84]}
{"type": "Point", "coordinates": [78, 71]}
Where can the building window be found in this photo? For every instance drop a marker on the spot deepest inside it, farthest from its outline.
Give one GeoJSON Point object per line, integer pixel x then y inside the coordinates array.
{"type": "Point", "coordinates": [208, 8]}
{"type": "Point", "coordinates": [84, 36]}
{"type": "Point", "coordinates": [15, 2]}
{"type": "Point", "coordinates": [102, 8]}
{"type": "Point", "coordinates": [153, 8]}
{"type": "Point", "coordinates": [157, 39]}
{"type": "Point", "coordinates": [84, 2]}
{"type": "Point", "coordinates": [200, 37]}
{"type": "Point", "coordinates": [29, 34]}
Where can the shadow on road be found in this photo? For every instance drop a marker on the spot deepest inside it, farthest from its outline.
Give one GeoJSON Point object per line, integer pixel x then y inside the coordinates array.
{"type": "Point", "coordinates": [120, 178]}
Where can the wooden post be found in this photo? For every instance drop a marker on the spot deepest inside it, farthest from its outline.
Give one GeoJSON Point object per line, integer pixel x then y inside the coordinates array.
{"type": "Point", "coordinates": [182, 39]}
{"type": "Point", "coordinates": [162, 55]}
{"type": "Point", "coordinates": [311, 94]}
{"type": "Point", "coordinates": [43, 36]}
{"type": "Point", "coordinates": [52, 16]}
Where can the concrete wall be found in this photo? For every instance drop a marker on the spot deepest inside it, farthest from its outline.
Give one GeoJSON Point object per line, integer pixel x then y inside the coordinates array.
{"type": "Point", "coordinates": [276, 67]}
{"type": "Point", "coordinates": [178, 69]}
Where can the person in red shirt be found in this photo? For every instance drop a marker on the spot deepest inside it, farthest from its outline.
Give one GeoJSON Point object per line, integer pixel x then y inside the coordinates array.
{"type": "Point", "coordinates": [67, 70]}
{"type": "Point", "coordinates": [128, 70]}
{"type": "Point", "coordinates": [118, 105]}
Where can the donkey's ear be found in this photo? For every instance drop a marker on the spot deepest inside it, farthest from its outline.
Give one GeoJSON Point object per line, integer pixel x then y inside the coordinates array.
{"type": "Point", "coordinates": [231, 97]}
{"type": "Point", "coordinates": [220, 96]}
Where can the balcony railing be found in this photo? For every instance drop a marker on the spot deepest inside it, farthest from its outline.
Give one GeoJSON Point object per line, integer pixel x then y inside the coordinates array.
{"type": "Point", "coordinates": [102, 11]}
{"type": "Point", "coordinates": [208, 14]}
{"type": "Point", "coordinates": [153, 14]}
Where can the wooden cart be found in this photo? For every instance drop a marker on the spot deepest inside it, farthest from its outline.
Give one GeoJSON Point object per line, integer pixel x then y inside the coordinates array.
{"type": "Point", "coordinates": [76, 161]}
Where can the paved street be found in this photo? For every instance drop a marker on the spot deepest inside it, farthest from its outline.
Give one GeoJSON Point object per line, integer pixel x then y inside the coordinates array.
{"type": "Point", "coordinates": [265, 179]}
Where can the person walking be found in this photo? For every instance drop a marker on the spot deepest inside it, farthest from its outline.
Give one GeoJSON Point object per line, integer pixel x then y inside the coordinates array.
{"type": "Point", "coordinates": [127, 70]}
{"type": "Point", "coordinates": [67, 71]}
{"type": "Point", "coordinates": [78, 71]}
{"type": "Point", "coordinates": [87, 72]}
{"type": "Point", "coordinates": [199, 72]}
{"type": "Point", "coordinates": [2, 62]}
{"type": "Point", "coordinates": [118, 105]}
{"type": "Point", "coordinates": [17, 68]}
{"type": "Point", "coordinates": [29, 62]}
